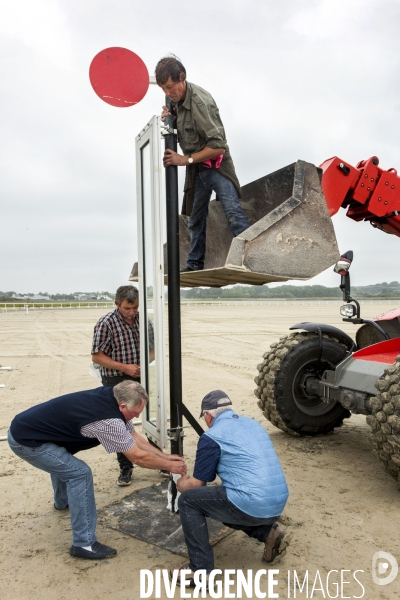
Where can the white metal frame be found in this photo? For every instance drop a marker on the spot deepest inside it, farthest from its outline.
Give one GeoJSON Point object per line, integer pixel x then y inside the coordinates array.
{"type": "Point", "coordinates": [150, 134]}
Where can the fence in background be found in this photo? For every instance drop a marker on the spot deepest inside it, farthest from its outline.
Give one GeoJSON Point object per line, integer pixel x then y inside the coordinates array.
{"type": "Point", "coordinates": [19, 306]}
{"type": "Point", "coordinates": [299, 302]}
{"type": "Point", "coordinates": [8, 306]}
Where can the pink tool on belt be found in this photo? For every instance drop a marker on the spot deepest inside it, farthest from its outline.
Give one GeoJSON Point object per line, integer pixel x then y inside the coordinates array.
{"type": "Point", "coordinates": [218, 161]}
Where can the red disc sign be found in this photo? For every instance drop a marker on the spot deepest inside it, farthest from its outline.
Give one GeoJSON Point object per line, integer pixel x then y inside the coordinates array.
{"type": "Point", "coordinates": [119, 77]}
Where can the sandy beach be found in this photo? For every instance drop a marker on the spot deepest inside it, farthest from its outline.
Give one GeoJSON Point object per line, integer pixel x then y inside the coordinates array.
{"type": "Point", "coordinates": [342, 508]}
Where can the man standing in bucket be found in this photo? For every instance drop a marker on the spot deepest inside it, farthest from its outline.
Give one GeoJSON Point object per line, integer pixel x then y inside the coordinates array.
{"type": "Point", "coordinates": [253, 493]}
{"type": "Point", "coordinates": [206, 156]}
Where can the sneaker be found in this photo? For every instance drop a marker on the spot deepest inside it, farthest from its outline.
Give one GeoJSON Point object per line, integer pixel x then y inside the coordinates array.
{"type": "Point", "coordinates": [276, 544]}
{"type": "Point", "coordinates": [125, 476]}
{"type": "Point", "coordinates": [98, 552]}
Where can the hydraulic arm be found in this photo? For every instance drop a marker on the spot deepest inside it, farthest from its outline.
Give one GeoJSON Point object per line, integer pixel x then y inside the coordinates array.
{"type": "Point", "coordinates": [368, 192]}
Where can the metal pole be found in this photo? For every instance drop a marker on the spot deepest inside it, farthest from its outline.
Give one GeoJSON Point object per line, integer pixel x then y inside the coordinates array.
{"type": "Point", "coordinates": [174, 290]}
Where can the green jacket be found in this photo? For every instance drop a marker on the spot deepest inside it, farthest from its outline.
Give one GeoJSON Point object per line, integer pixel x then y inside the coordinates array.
{"type": "Point", "coordinates": [199, 125]}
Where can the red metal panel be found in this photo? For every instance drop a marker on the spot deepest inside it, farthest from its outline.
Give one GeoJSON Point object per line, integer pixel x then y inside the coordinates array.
{"type": "Point", "coordinates": [388, 316]}
{"type": "Point", "coordinates": [386, 197]}
{"type": "Point", "coordinates": [391, 225]}
{"type": "Point", "coordinates": [335, 183]}
{"type": "Point", "coordinates": [367, 181]}
{"type": "Point", "coordinates": [384, 352]}
{"type": "Point", "coordinates": [358, 212]}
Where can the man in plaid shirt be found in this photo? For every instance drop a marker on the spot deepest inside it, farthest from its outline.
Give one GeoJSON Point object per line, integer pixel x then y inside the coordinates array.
{"type": "Point", "coordinates": [116, 349]}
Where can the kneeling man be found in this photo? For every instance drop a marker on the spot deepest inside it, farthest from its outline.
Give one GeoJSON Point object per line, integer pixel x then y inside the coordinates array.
{"type": "Point", "coordinates": [253, 493]}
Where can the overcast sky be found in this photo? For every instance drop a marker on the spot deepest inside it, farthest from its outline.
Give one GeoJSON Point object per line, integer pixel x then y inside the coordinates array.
{"type": "Point", "coordinates": [293, 81]}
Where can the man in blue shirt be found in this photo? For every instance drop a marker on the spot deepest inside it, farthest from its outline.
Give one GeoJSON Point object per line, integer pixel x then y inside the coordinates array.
{"type": "Point", "coordinates": [253, 493]}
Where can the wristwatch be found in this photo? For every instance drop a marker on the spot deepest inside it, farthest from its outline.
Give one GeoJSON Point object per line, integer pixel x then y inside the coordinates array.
{"type": "Point", "coordinates": [190, 159]}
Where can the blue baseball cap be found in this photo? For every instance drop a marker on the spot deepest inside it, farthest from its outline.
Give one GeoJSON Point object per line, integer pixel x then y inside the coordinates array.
{"type": "Point", "coordinates": [214, 399]}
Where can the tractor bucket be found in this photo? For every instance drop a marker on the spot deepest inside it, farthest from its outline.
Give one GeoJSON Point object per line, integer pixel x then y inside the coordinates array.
{"type": "Point", "coordinates": [291, 234]}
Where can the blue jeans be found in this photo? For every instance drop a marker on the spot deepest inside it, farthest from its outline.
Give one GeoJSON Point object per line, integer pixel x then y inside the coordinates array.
{"type": "Point", "coordinates": [196, 504]}
{"type": "Point", "coordinates": [72, 484]}
{"type": "Point", "coordinates": [207, 181]}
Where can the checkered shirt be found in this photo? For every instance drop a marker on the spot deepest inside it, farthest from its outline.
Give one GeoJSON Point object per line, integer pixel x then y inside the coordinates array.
{"type": "Point", "coordinates": [119, 340]}
{"type": "Point", "coordinates": [113, 434]}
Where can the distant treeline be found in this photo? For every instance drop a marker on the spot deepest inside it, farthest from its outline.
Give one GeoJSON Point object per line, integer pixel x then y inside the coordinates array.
{"type": "Point", "coordinates": [76, 296]}
{"type": "Point", "coordinates": [378, 291]}
{"type": "Point", "coordinates": [381, 290]}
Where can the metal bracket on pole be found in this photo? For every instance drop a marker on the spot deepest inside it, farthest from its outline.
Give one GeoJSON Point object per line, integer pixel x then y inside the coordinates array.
{"type": "Point", "coordinates": [175, 433]}
{"type": "Point", "coordinates": [168, 130]}
{"type": "Point", "coordinates": [176, 436]}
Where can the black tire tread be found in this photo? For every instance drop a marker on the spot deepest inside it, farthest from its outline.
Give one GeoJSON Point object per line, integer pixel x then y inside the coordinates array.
{"type": "Point", "coordinates": [268, 381]}
{"type": "Point", "coordinates": [384, 420]}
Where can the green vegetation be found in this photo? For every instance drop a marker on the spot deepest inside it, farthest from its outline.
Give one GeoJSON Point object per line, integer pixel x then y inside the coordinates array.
{"type": "Point", "coordinates": [45, 297]}
{"type": "Point", "coordinates": [378, 291]}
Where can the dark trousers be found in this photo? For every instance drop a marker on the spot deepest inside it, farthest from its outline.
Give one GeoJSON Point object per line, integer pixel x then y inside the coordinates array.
{"type": "Point", "coordinates": [111, 382]}
{"type": "Point", "coordinates": [196, 504]}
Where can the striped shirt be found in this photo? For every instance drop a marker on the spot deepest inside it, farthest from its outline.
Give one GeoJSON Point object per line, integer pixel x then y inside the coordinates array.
{"type": "Point", "coordinates": [112, 434]}
{"type": "Point", "coordinates": [119, 340]}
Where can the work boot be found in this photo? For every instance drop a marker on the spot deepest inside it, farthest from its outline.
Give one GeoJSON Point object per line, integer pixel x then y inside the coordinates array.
{"type": "Point", "coordinates": [189, 577]}
{"type": "Point", "coordinates": [276, 544]}
{"type": "Point", "coordinates": [188, 269]}
{"type": "Point", "coordinates": [125, 476]}
{"type": "Point", "coordinates": [62, 508]}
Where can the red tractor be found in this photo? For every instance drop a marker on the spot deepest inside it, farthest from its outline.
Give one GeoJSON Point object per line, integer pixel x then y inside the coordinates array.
{"type": "Point", "coordinates": [312, 379]}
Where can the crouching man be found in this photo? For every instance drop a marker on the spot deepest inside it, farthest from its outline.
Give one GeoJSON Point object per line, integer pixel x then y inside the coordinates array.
{"type": "Point", "coordinates": [253, 491]}
{"type": "Point", "coordinates": [48, 436]}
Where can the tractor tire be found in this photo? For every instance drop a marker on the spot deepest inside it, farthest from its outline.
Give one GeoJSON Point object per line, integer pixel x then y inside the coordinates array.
{"type": "Point", "coordinates": [281, 398]}
{"type": "Point", "coordinates": [384, 420]}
